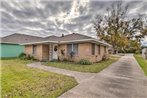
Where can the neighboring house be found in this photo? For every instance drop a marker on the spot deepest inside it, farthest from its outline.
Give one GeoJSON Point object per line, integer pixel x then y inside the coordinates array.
{"type": "Point", "coordinates": [144, 52]}
{"type": "Point", "coordinates": [10, 45]}
{"type": "Point", "coordinates": [81, 46]}
{"type": "Point", "coordinates": [10, 50]}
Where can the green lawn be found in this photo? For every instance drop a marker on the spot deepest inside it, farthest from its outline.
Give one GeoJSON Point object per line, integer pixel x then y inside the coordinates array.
{"type": "Point", "coordinates": [94, 68]}
{"type": "Point", "coordinates": [142, 62]}
{"type": "Point", "coordinates": [20, 81]}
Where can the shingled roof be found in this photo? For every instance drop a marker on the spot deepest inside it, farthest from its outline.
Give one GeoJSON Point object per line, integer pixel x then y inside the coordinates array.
{"type": "Point", "coordinates": [52, 38]}
{"type": "Point", "coordinates": [69, 37]}
{"type": "Point", "coordinates": [74, 36]}
{"type": "Point", "coordinates": [23, 38]}
{"type": "Point", "coordinates": [28, 39]}
{"type": "Point", "coordinates": [20, 38]}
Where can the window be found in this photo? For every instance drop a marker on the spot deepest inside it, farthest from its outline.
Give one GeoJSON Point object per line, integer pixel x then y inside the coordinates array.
{"type": "Point", "coordinates": [93, 49]}
{"type": "Point", "coordinates": [72, 48]}
{"type": "Point", "coordinates": [75, 48]}
{"type": "Point", "coordinates": [69, 49]}
{"type": "Point", "coordinates": [34, 50]}
{"type": "Point", "coordinates": [99, 49]}
{"type": "Point", "coordinates": [105, 49]}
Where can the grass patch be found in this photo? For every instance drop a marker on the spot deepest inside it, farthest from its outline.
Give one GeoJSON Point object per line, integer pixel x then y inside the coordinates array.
{"type": "Point", "coordinates": [20, 81]}
{"type": "Point", "coordinates": [8, 58]}
{"type": "Point", "coordinates": [94, 68]}
{"type": "Point", "coordinates": [142, 62]}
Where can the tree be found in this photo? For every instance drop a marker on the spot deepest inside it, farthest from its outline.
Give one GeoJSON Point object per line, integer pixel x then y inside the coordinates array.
{"type": "Point", "coordinates": [132, 47]}
{"type": "Point", "coordinates": [117, 29]}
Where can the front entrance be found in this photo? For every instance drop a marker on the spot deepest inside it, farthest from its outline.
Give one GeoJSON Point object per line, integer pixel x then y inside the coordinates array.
{"type": "Point", "coordinates": [55, 51]}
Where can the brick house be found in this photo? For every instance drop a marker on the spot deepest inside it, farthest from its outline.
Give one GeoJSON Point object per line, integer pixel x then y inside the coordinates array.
{"type": "Point", "coordinates": [72, 46]}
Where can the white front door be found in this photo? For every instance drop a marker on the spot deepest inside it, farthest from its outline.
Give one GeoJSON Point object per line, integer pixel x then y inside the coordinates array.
{"type": "Point", "coordinates": [55, 51]}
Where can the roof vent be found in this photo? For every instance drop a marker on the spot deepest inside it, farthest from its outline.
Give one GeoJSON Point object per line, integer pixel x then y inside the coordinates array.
{"type": "Point", "coordinates": [62, 35]}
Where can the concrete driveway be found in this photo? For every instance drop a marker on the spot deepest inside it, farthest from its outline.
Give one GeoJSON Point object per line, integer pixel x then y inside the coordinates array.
{"type": "Point", "coordinates": [122, 79]}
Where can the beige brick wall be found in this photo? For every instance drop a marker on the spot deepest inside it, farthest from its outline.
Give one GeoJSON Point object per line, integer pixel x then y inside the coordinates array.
{"type": "Point", "coordinates": [39, 52]}
{"type": "Point", "coordinates": [42, 51]}
{"type": "Point", "coordinates": [28, 49]}
{"type": "Point", "coordinates": [84, 52]}
{"type": "Point", "coordinates": [62, 47]}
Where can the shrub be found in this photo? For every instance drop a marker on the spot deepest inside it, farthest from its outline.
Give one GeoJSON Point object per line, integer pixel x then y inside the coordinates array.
{"type": "Point", "coordinates": [65, 60]}
{"type": "Point", "coordinates": [22, 55]}
{"type": "Point", "coordinates": [137, 52]}
{"type": "Point", "coordinates": [104, 57]}
{"type": "Point", "coordinates": [23, 58]}
{"type": "Point", "coordinates": [72, 54]}
{"type": "Point", "coordinates": [29, 57]}
{"type": "Point", "coordinates": [54, 60]}
{"type": "Point", "coordinates": [85, 62]}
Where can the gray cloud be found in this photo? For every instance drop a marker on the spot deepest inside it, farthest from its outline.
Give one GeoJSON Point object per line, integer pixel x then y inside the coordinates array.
{"type": "Point", "coordinates": [44, 18]}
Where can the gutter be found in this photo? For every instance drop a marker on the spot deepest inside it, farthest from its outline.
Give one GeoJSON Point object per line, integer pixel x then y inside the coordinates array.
{"type": "Point", "coordinates": [9, 43]}
{"type": "Point", "coordinates": [72, 41]}
{"type": "Point", "coordinates": [39, 42]}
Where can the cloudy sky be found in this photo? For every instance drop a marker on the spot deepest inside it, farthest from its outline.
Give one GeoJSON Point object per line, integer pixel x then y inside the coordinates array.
{"type": "Point", "coordinates": [46, 17]}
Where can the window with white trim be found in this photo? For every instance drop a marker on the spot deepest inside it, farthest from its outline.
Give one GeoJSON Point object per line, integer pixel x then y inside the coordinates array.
{"type": "Point", "coordinates": [72, 48]}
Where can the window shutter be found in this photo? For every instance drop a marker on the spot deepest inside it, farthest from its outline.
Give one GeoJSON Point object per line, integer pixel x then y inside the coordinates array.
{"type": "Point", "coordinates": [93, 49]}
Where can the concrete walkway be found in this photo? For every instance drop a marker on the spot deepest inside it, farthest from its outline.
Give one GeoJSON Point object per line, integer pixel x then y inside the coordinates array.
{"type": "Point", "coordinates": [123, 79]}
{"type": "Point", "coordinates": [79, 76]}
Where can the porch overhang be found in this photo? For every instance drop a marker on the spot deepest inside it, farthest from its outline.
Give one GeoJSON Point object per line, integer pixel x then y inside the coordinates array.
{"type": "Point", "coordinates": [71, 41]}
{"type": "Point", "coordinates": [85, 40]}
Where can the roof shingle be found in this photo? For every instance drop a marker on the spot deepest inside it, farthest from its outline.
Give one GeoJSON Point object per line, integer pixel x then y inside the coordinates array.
{"type": "Point", "coordinates": [20, 38]}
{"type": "Point", "coordinates": [24, 39]}
{"type": "Point", "coordinates": [68, 37]}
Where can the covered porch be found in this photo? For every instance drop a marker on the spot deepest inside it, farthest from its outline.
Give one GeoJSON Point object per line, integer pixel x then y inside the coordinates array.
{"type": "Point", "coordinates": [43, 51]}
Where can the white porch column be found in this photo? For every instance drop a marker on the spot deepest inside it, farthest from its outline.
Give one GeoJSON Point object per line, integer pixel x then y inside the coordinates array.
{"type": "Point", "coordinates": [50, 52]}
